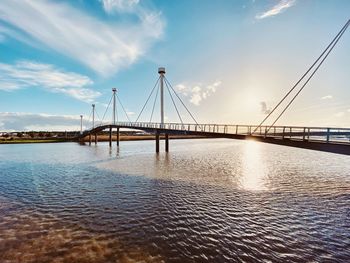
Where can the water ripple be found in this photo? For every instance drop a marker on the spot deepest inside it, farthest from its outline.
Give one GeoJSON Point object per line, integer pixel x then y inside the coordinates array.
{"type": "Point", "coordinates": [235, 201]}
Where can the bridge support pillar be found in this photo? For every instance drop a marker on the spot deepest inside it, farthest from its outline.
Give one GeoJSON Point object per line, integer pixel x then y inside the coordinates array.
{"type": "Point", "coordinates": [167, 142]}
{"type": "Point", "coordinates": [110, 136]}
{"type": "Point", "coordinates": [118, 137]}
{"type": "Point", "coordinates": [90, 139]}
{"type": "Point", "coordinates": [157, 142]}
{"type": "Point", "coordinates": [96, 138]}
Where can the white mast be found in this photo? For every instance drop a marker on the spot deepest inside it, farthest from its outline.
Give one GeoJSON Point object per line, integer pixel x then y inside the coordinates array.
{"type": "Point", "coordinates": [161, 72]}
{"type": "Point", "coordinates": [93, 115]}
{"type": "Point", "coordinates": [114, 104]}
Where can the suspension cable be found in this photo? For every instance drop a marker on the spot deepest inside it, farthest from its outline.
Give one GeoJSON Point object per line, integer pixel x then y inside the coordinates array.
{"type": "Point", "coordinates": [172, 99]}
{"type": "Point", "coordinates": [183, 104]}
{"type": "Point", "coordinates": [121, 104]}
{"type": "Point", "coordinates": [303, 76]}
{"type": "Point", "coordinates": [313, 73]}
{"type": "Point", "coordinates": [154, 104]}
{"type": "Point", "coordinates": [106, 109]}
{"type": "Point", "coordinates": [147, 99]}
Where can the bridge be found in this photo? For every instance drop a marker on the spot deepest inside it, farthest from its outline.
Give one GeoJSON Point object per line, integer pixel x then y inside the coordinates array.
{"type": "Point", "coordinates": [328, 139]}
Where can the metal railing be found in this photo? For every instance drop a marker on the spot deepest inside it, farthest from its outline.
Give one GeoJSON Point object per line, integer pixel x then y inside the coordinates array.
{"type": "Point", "coordinates": [315, 134]}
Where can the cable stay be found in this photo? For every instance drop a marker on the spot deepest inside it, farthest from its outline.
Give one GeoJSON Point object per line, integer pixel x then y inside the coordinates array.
{"type": "Point", "coordinates": [322, 57]}
{"type": "Point", "coordinates": [147, 100]}
{"type": "Point", "coordinates": [89, 116]}
{"type": "Point", "coordinates": [98, 116]}
{"type": "Point", "coordinates": [154, 104]}
{"type": "Point", "coordinates": [171, 91]}
{"type": "Point", "coordinates": [106, 109]}
{"type": "Point", "coordinates": [183, 104]}
{"type": "Point", "coordinates": [121, 104]}
{"type": "Point", "coordinates": [116, 112]}
{"type": "Point", "coordinates": [172, 99]}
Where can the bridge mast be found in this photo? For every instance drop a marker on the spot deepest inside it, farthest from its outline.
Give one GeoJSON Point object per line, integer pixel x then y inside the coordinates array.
{"type": "Point", "coordinates": [81, 124]}
{"type": "Point", "coordinates": [114, 104]}
{"type": "Point", "coordinates": [161, 72]}
{"type": "Point", "coordinates": [93, 115]}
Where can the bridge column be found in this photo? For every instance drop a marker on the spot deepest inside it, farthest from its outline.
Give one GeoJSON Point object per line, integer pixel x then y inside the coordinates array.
{"type": "Point", "coordinates": [110, 136]}
{"type": "Point", "coordinates": [167, 142]}
{"type": "Point", "coordinates": [328, 133]}
{"type": "Point", "coordinates": [161, 72]}
{"type": "Point", "coordinates": [96, 138]}
{"type": "Point", "coordinates": [118, 136]}
{"type": "Point", "coordinates": [157, 142]}
{"type": "Point", "coordinates": [90, 139]}
{"type": "Point", "coordinates": [81, 124]}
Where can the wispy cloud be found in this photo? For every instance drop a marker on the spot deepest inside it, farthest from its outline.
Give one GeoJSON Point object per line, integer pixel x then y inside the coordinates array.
{"type": "Point", "coordinates": [280, 7]}
{"type": "Point", "coordinates": [264, 109]}
{"type": "Point", "coordinates": [111, 6]}
{"type": "Point", "coordinates": [19, 121]}
{"type": "Point", "coordinates": [198, 93]}
{"type": "Point", "coordinates": [103, 46]}
{"type": "Point", "coordinates": [327, 97]}
{"type": "Point", "coordinates": [25, 74]}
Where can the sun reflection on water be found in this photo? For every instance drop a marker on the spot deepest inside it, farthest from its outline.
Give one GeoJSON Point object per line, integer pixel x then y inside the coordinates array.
{"type": "Point", "coordinates": [253, 168]}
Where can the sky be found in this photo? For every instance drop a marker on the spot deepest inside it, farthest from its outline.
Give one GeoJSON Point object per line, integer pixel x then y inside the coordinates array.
{"type": "Point", "coordinates": [229, 61]}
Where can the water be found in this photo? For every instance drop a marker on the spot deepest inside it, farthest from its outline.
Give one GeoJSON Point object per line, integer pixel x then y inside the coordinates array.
{"type": "Point", "coordinates": [205, 201]}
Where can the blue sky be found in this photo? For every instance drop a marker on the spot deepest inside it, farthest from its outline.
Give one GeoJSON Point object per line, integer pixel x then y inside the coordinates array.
{"type": "Point", "coordinates": [230, 61]}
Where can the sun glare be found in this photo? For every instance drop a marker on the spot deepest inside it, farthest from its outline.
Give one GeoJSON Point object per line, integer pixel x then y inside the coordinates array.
{"type": "Point", "coordinates": [253, 168]}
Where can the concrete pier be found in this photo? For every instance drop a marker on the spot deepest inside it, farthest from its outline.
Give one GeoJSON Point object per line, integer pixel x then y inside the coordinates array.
{"type": "Point", "coordinates": [167, 142]}
{"type": "Point", "coordinates": [118, 137]}
{"type": "Point", "coordinates": [157, 142]}
{"type": "Point", "coordinates": [110, 136]}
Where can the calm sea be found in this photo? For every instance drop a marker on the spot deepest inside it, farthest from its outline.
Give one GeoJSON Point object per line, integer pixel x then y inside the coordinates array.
{"type": "Point", "coordinates": [205, 201]}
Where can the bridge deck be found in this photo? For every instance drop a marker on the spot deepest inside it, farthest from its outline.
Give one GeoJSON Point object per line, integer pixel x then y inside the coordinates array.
{"type": "Point", "coordinates": [336, 140]}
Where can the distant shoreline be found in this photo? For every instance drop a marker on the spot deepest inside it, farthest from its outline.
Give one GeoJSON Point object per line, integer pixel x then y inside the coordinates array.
{"type": "Point", "coordinates": [25, 141]}
{"type": "Point", "coordinates": [100, 138]}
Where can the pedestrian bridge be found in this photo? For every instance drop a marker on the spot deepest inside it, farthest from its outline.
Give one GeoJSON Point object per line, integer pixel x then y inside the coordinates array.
{"type": "Point", "coordinates": [328, 139]}
{"type": "Point", "coordinates": [336, 140]}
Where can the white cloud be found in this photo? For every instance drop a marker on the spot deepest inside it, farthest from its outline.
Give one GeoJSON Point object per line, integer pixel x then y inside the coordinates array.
{"type": "Point", "coordinates": [119, 5]}
{"type": "Point", "coordinates": [280, 7]}
{"type": "Point", "coordinates": [196, 89]}
{"type": "Point", "coordinates": [339, 114]}
{"type": "Point", "coordinates": [328, 97]}
{"type": "Point", "coordinates": [105, 105]}
{"type": "Point", "coordinates": [19, 121]}
{"type": "Point", "coordinates": [103, 46]}
{"type": "Point", "coordinates": [25, 74]}
{"type": "Point", "coordinates": [264, 109]}
{"type": "Point", "coordinates": [181, 87]}
{"type": "Point", "coordinates": [198, 92]}
{"type": "Point", "coordinates": [196, 99]}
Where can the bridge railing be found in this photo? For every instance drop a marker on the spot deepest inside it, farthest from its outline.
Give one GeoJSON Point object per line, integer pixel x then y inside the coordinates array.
{"type": "Point", "coordinates": [335, 135]}
{"type": "Point", "coordinates": [319, 134]}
